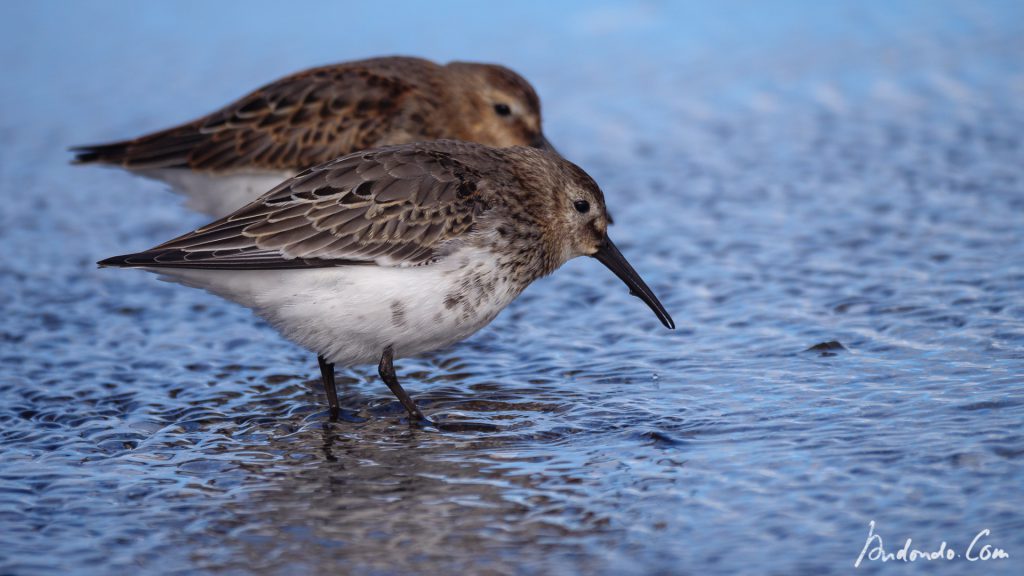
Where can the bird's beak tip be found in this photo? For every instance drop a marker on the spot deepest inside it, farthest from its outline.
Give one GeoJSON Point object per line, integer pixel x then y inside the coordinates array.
{"type": "Point", "coordinates": [609, 255]}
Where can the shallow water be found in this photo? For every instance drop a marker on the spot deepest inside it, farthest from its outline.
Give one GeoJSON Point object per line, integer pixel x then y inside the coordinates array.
{"type": "Point", "coordinates": [783, 176]}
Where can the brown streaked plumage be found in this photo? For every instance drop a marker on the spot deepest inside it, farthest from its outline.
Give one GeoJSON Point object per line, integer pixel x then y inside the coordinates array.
{"type": "Point", "coordinates": [399, 250]}
{"type": "Point", "coordinates": [319, 114]}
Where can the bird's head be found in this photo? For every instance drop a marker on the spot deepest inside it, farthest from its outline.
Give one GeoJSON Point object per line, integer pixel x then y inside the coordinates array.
{"type": "Point", "coordinates": [503, 108]}
{"type": "Point", "coordinates": [574, 220]}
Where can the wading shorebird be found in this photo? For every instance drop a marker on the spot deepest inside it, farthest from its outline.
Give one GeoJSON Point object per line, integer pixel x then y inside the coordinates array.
{"type": "Point", "coordinates": [398, 251]}
{"type": "Point", "coordinates": [227, 159]}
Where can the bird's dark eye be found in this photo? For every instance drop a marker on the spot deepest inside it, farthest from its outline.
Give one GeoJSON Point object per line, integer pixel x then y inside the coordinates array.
{"type": "Point", "coordinates": [581, 206]}
{"type": "Point", "coordinates": [502, 109]}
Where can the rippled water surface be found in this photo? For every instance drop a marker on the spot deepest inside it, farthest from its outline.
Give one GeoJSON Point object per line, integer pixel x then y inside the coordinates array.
{"type": "Point", "coordinates": [784, 175]}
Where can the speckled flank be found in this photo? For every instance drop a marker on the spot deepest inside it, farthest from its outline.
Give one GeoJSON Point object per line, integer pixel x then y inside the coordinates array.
{"type": "Point", "coordinates": [397, 314]}
{"type": "Point", "coordinates": [452, 300]}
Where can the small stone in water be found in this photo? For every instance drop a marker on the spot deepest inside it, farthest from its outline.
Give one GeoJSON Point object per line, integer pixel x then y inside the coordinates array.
{"type": "Point", "coordinates": [827, 348]}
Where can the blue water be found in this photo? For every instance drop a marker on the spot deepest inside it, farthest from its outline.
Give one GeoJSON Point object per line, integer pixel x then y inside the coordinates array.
{"type": "Point", "coordinates": [783, 174]}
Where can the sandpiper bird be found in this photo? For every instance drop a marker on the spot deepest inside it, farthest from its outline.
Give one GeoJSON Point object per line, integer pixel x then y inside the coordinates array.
{"type": "Point", "coordinates": [399, 250]}
{"type": "Point", "coordinates": [227, 159]}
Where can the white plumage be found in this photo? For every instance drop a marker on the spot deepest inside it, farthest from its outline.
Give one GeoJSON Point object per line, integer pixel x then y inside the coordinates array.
{"type": "Point", "coordinates": [349, 314]}
{"type": "Point", "coordinates": [213, 193]}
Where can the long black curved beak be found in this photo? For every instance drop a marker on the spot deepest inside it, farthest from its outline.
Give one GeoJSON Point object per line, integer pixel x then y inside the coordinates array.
{"type": "Point", "coordinates": [610, 256]}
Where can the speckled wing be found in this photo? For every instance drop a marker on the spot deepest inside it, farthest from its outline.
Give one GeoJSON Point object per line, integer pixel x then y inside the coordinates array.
{"type": "Point", "coordinates": [296, 122]}
{"type": "Point", "coordinates": [395, 206]}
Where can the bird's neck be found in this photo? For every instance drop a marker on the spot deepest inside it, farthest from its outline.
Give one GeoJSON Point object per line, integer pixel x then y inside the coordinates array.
{"type": "Point", "coordinates": [519, 250]}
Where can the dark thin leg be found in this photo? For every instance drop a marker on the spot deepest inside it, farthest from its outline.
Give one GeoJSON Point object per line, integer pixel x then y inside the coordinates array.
{"type": "Point", "coordinates": [327, 375]}
{"type": "Point", "coordinates": [387, 374]}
